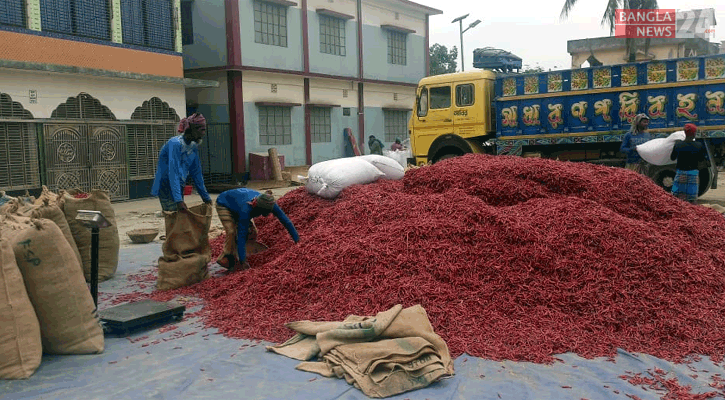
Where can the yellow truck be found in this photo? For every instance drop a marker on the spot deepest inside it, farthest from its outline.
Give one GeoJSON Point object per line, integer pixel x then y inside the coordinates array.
{"type": "Point", "coordinates": [575, 115]}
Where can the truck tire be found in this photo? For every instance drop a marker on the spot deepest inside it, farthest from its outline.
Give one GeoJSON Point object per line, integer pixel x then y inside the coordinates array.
{"type": "Point", "coordinates": [447, 153]}
{"type": "Point", "coordinates": [664, 177]}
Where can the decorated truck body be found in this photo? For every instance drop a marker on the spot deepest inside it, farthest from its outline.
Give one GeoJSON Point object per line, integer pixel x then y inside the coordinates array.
{"type": "Point", "coordinates": [575, 115]}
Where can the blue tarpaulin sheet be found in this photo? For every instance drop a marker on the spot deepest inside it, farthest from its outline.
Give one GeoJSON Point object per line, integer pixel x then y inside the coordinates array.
{"type": "Point", "coordinates": [191, 362]}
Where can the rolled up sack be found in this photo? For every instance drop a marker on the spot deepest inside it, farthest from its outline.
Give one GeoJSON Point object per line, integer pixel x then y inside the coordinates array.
{"type": "Point", "coordinates": [658, 151]}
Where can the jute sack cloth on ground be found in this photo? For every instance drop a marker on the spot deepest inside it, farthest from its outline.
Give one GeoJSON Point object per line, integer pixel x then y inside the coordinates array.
{"type": "Point", "coordinates": [54, 282]}
{"type": "Point", "coordinates": [109, 244]}
{"type": "Point", "coordinates": [391, 353]}
{"type": "Point", "coordinates": [186, 249]}
{"type": "Point", "coordinates": [21, 348]}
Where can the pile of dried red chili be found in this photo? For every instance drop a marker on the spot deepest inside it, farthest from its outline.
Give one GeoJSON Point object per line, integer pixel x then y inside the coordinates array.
{"type": "Point", "coordinates": [512, 258]}
{"type": "Point", "coordinates": [81, 195]}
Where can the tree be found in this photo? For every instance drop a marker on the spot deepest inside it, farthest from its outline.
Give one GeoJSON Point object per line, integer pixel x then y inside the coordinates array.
{"type": "Point", "coordinates": [443, 61]}
{"type": "Point", "coordinates": [609, 19]}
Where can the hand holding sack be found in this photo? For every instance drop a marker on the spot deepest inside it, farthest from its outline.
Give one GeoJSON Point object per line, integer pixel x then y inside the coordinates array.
{"type": "Point", "coordinates": [658, 151]}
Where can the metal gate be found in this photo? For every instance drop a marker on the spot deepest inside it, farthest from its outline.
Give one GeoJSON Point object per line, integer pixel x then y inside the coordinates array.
{"type": "Point", "coordinates": [87, 156]}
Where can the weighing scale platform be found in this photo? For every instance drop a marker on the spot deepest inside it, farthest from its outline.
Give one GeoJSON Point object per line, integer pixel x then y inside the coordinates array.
{"type": "Point", "coordinates": [127, 317]}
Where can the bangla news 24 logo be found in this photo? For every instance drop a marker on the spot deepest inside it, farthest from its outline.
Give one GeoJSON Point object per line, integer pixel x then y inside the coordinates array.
{"type": "Point", "coordinates": [664, 23]}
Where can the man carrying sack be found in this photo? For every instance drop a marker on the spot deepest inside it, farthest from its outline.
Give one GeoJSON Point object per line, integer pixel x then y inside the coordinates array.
{"type": "Point", "coordinates": [236, 209]}
{"type": "Point", "coordinates": [178, 159]}
{"type": "Point", "coordinates": [689, 154]}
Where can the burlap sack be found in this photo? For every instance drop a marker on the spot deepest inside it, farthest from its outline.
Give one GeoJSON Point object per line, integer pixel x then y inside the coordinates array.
{"type": "Point", "coordinates": [15, 207]}
{"type": "Point", "coordinates": [46, 194]}
{"type": "Point", "coordinates": [55, 285]}
{"type": "Point", "coordinates": [20, 345]}
{"type": "Point", "coordinates": [186, 249]}
{"type": "Point", "coordinates": [48, 210]}
{"type": "Point", "coordinates": [108, 242]}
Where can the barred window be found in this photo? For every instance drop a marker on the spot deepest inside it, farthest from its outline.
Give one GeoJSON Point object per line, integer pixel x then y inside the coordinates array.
{"type": "Point", "coordinates": [397, 48]}
{"type": "Point", "coordinates": [275, 125]}
{"type": "Point", "coordinates": [187, 25]}
{"type": "Point", "coordinates": [270, 24]}
{"type": "Point", "coordinates": [148, 23]}
{"type": "Point", "coordinates": [332, 35]}
{"type": "Point", "coordinates": [321, 122]}
{"type": "Point", "coordinates": [19, 165]}
{"type": "Point", "coordinates": [87, 18]}
{"type": "Point", "coordinates": [12, 12]}
{"type": "Point", "coordinates": [396, 124]}
{"type": "Point", "coordinates": [144, 145]}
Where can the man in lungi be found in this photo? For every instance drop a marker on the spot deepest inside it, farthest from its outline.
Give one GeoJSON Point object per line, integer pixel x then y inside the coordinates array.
{"type": "Point", "coordinates": [178, 159]}
{"type": "Point", "coordinates": [637, 135]}
{"type": "Point", "coordinates": [236, 209]}
{"type": "Point", "coordinates": [689, 154]}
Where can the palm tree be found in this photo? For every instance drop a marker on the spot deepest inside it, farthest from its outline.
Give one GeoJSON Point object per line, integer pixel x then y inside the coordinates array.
{"type": "Point", "coordinates": [609, 19]}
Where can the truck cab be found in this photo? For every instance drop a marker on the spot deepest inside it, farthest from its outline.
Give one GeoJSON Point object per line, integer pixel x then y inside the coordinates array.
{"type": "Point", "coordinates": [453, 115]}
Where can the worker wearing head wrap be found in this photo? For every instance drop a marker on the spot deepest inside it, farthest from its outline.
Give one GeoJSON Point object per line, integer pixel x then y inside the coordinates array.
{"type": "Point", "coordinates": [376, 146]}
{"type": "Point", "coordinates": [396, 146]}
{"type": "Point", "coordinates": [689, 154]}
{"type": "Point", "coordinates": [637, 135]}
{"type": "Point", "coordinates": [236, 209]}
{"type": "Point", "coordinates": [178, 159]}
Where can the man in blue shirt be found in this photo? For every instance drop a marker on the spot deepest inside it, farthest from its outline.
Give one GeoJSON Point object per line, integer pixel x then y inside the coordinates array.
{"type": "Point", "coordinates": [236, 209]}
{"type": "Point", "coordinates": [178, 159]}
{"type": "Point", "coordinates": [637, 135]}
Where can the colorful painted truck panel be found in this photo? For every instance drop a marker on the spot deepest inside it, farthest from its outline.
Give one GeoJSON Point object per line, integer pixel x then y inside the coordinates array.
{"type": "Point", "coordinates": [604, 100]}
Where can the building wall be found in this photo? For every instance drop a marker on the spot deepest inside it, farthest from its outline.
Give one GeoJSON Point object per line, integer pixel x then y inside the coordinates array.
{"type": "Point", "coordinates": [269, 56]}
{"type": "Point", "coordinates": [375, 43]}
{"type": "Point", "coordinates": [121, 96]}
{"type": "Point", "coordinates": [34, 48]}
{"type": "Point", "coordinates": [213, 103]}
{"type": "Point", "coordinates": [210, 44]}
{"type": "Point", "coordinates": [328, 63]}
{"type": "Point", "coordinates": [331, 91]}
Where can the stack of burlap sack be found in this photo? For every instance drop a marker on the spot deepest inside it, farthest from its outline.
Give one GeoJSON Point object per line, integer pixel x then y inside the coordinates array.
{"type": "Point", "coordinates": [45, 303]}
{"type": "Point", "coordinates": [394, 352]}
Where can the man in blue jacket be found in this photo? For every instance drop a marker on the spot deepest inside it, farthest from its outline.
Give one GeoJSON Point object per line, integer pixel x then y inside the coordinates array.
{"type": "Point", "coordinates": [236, 209]}
{"type": "Point", "coordinates": [178, 159]}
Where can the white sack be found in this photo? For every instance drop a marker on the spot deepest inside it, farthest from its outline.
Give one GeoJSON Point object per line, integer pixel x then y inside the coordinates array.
{"type": "Point", "coordinates": [327, 179]}
{"type": "Point", "coordinates": [388, 166]}
{"type": "Point", "coordinates": [401, 156]}
{"type": "Point", "coordinates": [658, 151]}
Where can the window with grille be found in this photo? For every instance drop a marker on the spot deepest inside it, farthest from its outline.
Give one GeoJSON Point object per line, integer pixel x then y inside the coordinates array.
{"type": "Point", "coordinates": [19, 166]}
{"type": "Point", "coordinates": [12, 13]}
{"type": "Point", "coordinates": [332, 35]}
{"type": "Point", "coordinates": [396, 124]}
{"type": "Point", "coordinates": [87, 18]}
{"type": "Point", "coordinates": [275, 125]}
{"type": "Point", "coordinates": [148, 23]}
{"type": "Point", "coordinates": [187, 25]}
{"type": "Point", "coordinates": [321, 124]}
{"type": "Point", "coordinates": [145, 141]}
{"type": "Point", "coordinates": [270, 24]}
{"type": "Point", "coordinates": [397, 48]}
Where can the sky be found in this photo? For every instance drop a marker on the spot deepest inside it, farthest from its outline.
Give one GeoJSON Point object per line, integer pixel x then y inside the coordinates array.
{"type": "Point", "coordinates": [533, 29]}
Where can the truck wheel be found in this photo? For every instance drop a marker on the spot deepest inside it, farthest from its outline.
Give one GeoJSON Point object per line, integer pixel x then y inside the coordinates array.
{"type": "Point", "coordinates": [665, 179]}
{"type": "Point", "coordinates": [446, 156]}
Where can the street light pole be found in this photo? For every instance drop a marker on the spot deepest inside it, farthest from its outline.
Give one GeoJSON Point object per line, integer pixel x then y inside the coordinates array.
{"type": "Point", "coordinates": [462, 31]}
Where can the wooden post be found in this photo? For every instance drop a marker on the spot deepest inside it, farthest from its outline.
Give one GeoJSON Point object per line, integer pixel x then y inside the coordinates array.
{"type": "Point", "coordinates": [276, 167]}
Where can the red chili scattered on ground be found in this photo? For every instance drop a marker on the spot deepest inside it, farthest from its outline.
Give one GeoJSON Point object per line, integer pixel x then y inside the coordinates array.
{"type": "Point", "coordinates": [81, 196]}
{"type": "Point", "coordinates": [512, 258]}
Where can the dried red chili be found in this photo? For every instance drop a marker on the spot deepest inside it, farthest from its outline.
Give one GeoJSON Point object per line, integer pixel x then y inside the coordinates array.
{"type": "Point", "coordinates": [512, 258]}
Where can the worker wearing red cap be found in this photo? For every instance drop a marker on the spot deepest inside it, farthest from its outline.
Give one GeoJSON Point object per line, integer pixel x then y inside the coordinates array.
{"type": "Point", "coordinates": [689, 154]}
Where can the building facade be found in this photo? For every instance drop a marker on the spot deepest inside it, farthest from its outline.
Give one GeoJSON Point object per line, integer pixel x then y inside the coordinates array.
{"type": "Point", "coordinates": [613, 51]}
{"type": "Point", "coordinates": [89, 92]}
{"type": "Point", "coordinates": [294, 74]}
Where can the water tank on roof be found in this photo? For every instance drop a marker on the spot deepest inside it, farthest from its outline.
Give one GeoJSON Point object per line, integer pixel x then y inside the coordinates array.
{"type": "Point", "coordinates": [496, 59]}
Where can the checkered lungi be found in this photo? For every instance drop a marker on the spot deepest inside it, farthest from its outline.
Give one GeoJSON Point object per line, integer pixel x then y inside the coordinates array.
{"type": "Point", "coordinates": [686, 184]}
{"type": "Point", "coordinates": [166, 199]}
{"type": "Point", "coordinates": [229, 223]}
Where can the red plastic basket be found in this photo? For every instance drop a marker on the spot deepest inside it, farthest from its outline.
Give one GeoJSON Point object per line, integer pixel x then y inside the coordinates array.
{"type": "Point", "coordinates": [187, 190]}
